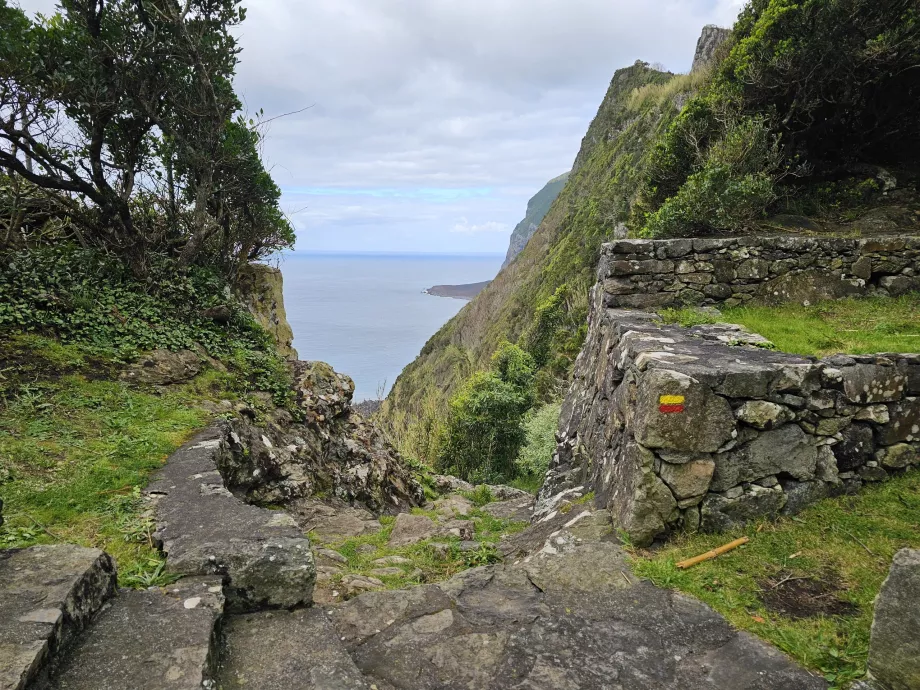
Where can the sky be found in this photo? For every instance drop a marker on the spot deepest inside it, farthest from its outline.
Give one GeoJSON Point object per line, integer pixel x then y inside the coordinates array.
{"type": "Point", "coordinates": [430, 123]}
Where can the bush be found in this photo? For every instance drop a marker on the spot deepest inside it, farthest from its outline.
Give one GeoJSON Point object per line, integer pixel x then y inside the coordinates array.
{"type": "Point", "coordinates": [485, 421]}
{"type": "Point", "coordinates": [807, 89]}
{"type": "Point", "coordinates": [540, 427]}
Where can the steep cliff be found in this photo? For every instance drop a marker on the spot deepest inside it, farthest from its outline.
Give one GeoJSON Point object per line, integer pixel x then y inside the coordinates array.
{"type": "Point", "coordinates": [537, 208]}
{"type": "Point", "coordinates": [596, 199]}
{"type": "Point", "coordinates": [710, 40]}
{"type": "Point", "coordinates": [261, 288]}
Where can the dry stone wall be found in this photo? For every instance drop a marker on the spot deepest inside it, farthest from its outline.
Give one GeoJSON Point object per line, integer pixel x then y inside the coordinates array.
{"type": "Point", "coordinates": [649, 274]}
{"type": "Point", "coordinates": [705, 428]}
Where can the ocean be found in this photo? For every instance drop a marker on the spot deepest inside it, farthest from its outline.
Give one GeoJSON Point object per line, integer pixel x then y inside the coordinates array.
{"type": "Point", "coordinates": [366, 314]}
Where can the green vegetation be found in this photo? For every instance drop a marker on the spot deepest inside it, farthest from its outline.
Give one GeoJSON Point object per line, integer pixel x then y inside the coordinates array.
{"type": "Point", "coordinates": [427, 561]}
{"type": "Point", "coordinates": [484, 430]}
{"type": "Point", "coordinates": [76, 448]}
{"type": "Point", "coordinates": [806, 584]}
{"type": "Point", "coordinates": [156, 156]}
{"type": "Point", "coordinates": [807, 88]}
{"type": "Point", "coordinates": [853, 326]}
{"type": "Point", "coordinates": [537, 208]}
{"type": "Point", "coordinates": [540, 427]}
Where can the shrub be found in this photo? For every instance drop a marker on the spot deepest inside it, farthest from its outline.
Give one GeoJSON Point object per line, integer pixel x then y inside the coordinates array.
{"type": "Point", "coordinates": [485, 429]}
{"type": "Point", "coordinates": [540, 430]}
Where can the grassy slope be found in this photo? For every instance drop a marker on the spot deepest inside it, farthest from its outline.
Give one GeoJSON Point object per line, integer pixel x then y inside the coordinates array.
{"type": "Point", "coordinates": [564, 250]}
{"type": "Point", "coordinates": [77, 446]}
{"type": "Point", "coordinates": [854, 326]}
{"type": "Point", "coordinates": [848, 542]}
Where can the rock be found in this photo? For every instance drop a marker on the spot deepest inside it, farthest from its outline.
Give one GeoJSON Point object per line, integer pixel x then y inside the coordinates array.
{"type": "Point", "coordinates": [872, 474]}
{"type": "Point", "coordinates": [518, 509]}
{"type": "Point", "coordinates": [453, 506]}
{"type": "Point", "coordinates": [462, 529]}
{"type": "Point", "coordinates": [787, 450]}
{"type": "Point", "coordinates": [688, 480]}
{"type": "Point", "coordinates": [763, 415]}
{"type": "Point", "coordinates": [154, 639]}
{"type": "Point", "coordinates": [163, 368]}
{"type": "Point", "coordinates": [411, 529]}
{"type": "Point", "coordinates": [904, 425]}
{"type": "Point", "coordinates": [873, 383]}
{"type": "Point", "coordinates": [719, 514]}
{"type": "Point", "coordinates": [48, 595]}
{"type": "Point", "coordinates": [894, 650]}
{"type": "Point", "coordinates": [330, 556]}
{"type": "Point", "coordinates": [261, 288]}
{"type": "Point", "coordinates": [446, 484]}
{"type": "Point", "coordinates": [856, 448]}
{"type": "Point", "coordinates": [392, 560]}
{"type": "Point", "coordinates": [800, 495]}
{"type": "Point", "coordinates": [832, 426]}
{"type": "Point", "coordinates": [899, 456]}
{"type": "Point", "coordinates": [206, 530]}
{"type": "Point", "coordinates": [280, 650]}
{"type": "Point", "coordinates": [501, 492]}
{"type": "Point", "coordinates": [221, 314]}
{"type": "Point", "coordinates": [875, 413]}
{"type": "Point", "coordinates": [642, 505]}
{"type": "Point", "coordinates": [334, 521]}
{"type": "Point", "coordinates": [387, 572]}
{"type": "Point", "coordinates": [705, 424]}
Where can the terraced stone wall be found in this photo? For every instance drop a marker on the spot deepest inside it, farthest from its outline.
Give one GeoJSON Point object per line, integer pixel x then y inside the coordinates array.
{"type": "Point", "coordinates": [704, 428]}
{"type": "Point", "coordinates": [648, 274]}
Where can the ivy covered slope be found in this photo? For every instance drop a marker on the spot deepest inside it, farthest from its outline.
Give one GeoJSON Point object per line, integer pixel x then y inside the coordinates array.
{"type": "Point", "coordinates": [563, 251]}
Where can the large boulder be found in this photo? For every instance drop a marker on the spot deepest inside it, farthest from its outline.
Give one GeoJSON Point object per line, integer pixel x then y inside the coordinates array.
{"type": "Point", "coordinates": [894, 652]}
{"type": "Point", "coordinates": [261, 288]}
{"type": "Point", "coordinates": [163, 368]}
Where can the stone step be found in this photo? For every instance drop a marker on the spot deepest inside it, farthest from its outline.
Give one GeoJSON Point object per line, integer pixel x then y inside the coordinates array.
{"type": "Point", "coordinates": [48, 594]}
{"type": "Point", "coordinates": [156, 639]}
{"type": "Point", "coordinates": [281, 650]}
{"type": "Point", "coordinates": [206, 530]}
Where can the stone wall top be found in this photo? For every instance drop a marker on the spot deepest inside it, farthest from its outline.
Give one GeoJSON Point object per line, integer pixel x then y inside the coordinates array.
{"type": "Point", "coordinates": [649, 274]}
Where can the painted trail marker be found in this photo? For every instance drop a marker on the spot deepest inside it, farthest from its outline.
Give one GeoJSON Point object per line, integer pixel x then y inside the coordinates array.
{"type": "Point", "coordinates": [671, 404]}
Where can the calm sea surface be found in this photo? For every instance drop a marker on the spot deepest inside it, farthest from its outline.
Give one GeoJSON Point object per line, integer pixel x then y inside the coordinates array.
{"type": "Point", "coordinates": [366, 314]}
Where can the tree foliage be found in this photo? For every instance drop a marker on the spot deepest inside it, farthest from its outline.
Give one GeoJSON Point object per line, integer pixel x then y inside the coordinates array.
{"type": "Point", "coordinates": [485, 426]}
{"type": "Point", "coordinates": [123, 114]}
{"type": "Point", "coordinates": [806, 90]}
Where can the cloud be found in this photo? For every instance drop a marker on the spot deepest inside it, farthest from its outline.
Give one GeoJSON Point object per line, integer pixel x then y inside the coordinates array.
{"type": "Point", "coordinates": [464, 226]}
{"type": "Point", "coordinates": [426, 112]}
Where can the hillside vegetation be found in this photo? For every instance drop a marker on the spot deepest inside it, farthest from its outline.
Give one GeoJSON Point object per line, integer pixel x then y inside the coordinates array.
{"type": "Point", "coordinates": [537, 208]}
{"type": "Point", "coordinates": [786, 130]}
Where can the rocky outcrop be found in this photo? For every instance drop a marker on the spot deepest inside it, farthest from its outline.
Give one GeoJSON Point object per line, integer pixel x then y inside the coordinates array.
{"type": "Point", "coordinates": [700, 428]}
{"type": "Point", "coordinates": [650, 274]}
{"type": "Point", "coordinates": [154, 639]}
{"type": "Point", "coordinates": [894, 651]}
{"type": "Point", "coordinates": [261, 288]}
{"type": "Point", "coordinates": [537, 208]}
{"type": "Point", "coordinates": [48, 595]}
{"type": "Point", "coordinates": [163, 368]}
{"type": "Point", "coordinates": [709, 42]}
{"type": "Point", "coordinates": [333, 452]}
{"type": "Point", "coordinates": [204, 530]}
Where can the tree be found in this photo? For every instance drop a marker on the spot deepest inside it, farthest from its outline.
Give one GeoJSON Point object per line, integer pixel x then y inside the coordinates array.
{"type": "Point", "coordinates": [485, 426]}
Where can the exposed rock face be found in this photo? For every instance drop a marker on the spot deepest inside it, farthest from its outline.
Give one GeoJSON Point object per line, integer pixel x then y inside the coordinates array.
{"type": "Point", "coordinates": [334, 452]}
{"type": "Point", "coordinates": [262, 289]}
{"type": "Point", "coordinates": [710, 40]}
{"type": "Point", "coordinates": [205, 530]}
{"type": "Point", "coordinates": [155, 639]}
{"type": "Point", "coordinates": [537, 208]}
{"type": "Point", "coordinates": [48, 594]}
{"type": "Point", "coordinates": [676, 428]}
{"type": "Point", "coordinates": [163, 368]}
{"type": "Point", "coordinates": [894, 652]}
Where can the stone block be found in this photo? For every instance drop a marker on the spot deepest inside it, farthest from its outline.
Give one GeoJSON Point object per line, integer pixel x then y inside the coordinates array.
{"type": "Point", "coordinates": [894, 650]}
{"type": "Point", "coordinates": [687, 480]}
{"type": "Point", "coordinates": [702, 424]}
{"type": "Point", "coordinates": [763, 415]}
{"type": "Point", "coordinates": [787, 450]}
{"type": "Point", "coordinates": [872, 383]}
{"type": "Point", "coordinates": [904, 424]}
{"type": "Point", "coordinates": [855, 449]}
{"type": "Point", "coordinates": [899, 456]}
{"type": "Point", "coordinates": [719, 513]}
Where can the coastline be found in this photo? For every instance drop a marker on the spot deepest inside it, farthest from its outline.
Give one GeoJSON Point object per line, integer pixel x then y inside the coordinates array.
{"type": "Point", "coordinates": [464, 292]}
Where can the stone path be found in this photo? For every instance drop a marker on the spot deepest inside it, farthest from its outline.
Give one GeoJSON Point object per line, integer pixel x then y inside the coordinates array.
{"type": "Point", "coordinates": [562, 612]}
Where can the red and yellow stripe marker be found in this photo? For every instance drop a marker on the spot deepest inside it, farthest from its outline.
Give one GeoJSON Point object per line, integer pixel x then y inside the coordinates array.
{"type": "Point", "coordinates": [671, 404]}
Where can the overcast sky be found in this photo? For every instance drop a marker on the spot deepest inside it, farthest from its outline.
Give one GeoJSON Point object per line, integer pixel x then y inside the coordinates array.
{"type": "Point", "coordinates": [434, 121]}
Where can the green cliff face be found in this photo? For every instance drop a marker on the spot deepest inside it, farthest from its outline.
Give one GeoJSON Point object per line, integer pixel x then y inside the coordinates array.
{"type": "Point", "coordinates": [537, 208]}
{"type": "Point", "coordinates": [596, 200]}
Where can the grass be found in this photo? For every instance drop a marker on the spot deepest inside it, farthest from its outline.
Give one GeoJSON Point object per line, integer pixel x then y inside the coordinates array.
{"type": "Point", "coordinates": [657, 94]}
{"type": "Point", "coordinates": [850, 540]}
{"type": "Point", "coordinates": [76, 450]}
{"type": "Point", "coordinates": [852, 326]}
{"type": "Point", "coordinates": [425, 563]}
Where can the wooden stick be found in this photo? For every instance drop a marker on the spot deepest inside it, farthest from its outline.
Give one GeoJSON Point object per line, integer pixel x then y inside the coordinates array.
{"type": "Point", "coordinates": [715, 553]}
